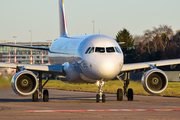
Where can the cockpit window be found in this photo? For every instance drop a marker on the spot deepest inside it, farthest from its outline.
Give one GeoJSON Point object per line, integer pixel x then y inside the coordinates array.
{"type": "Point", "coordinates": [118, 50]}
{"type": "Point", "coordinates": [110, 49]}
{"type": "Point", "coordinates": [87, 50]}
{"type": "Point", "coordinates": [100, 49]}
{"type": "Point", "coordinates": [91, 50]}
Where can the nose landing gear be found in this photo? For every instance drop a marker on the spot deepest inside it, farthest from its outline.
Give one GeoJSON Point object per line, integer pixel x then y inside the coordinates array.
{"type": "Point", "coordinates": [100, 94]}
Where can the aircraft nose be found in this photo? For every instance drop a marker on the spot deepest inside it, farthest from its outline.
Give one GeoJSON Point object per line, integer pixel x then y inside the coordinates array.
{"type": "Point", "coordinates": [109, 67]}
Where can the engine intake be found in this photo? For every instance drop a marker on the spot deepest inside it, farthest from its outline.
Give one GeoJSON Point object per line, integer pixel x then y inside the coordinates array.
{"type": "Point", "coordinates": [24, 83]}
{"type": "Point", "coordinates": [154, 81]}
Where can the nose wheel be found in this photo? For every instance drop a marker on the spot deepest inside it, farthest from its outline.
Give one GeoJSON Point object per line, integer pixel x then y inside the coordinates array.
{"type": "Point", "coordinates": [100, 95]}
{"type": "Point", "coordinates": [97, 97]}
{"type": "Point", "coordinates": [103, 98]}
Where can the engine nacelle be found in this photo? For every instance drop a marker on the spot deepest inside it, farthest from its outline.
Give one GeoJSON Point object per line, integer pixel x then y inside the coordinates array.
{"type": "Point", "coordinates": [154, 81]}
{"type": "Point", "coordinates": [24, 83]}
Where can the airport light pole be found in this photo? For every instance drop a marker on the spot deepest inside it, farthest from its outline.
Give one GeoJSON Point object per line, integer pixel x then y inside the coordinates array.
{"type": "Point", "coordinates": [49, 42]}
{"type": "Point", "coordinates": [93, 27]}
{"type": "Point", "coordinates": [31, 45]}
{"type": "Point", "coordinates": [42, 57]}
{"type": "Point", "coordinates": [9, 54]}
{"type": "Point", "coordinates": [15, 49]}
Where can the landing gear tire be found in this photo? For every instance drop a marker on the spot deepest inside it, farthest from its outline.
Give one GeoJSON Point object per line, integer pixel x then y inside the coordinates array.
{"type": "Point", "coordinates": [45, 95]}
{"type": "Point", "coordinates": [103, 98]}
{"type": "Point", "coordinates": [35, 96]}
{"type": "Point", "coordinates": [130, 94]}
{"type": "Point", "coordinates": [119, 95]}
{"type": "Point", "coordinates": [97, 97]}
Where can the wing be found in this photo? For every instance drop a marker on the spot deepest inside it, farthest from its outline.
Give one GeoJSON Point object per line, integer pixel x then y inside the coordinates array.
{"type": "Point", "coordinates": [30, 47]}
{"type": "Point", "coordinates": [55, 69]}
{"type": "Point", "coordinates": [135, 66]}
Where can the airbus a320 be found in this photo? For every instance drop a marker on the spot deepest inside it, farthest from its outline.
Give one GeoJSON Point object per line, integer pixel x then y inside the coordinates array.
{"type": "Point", "coordinates": [93, 58]}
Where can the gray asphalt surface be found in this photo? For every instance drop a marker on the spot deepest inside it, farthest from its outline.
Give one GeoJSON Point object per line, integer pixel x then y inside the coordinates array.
{"type": "Point", "coordinates": [15, 107]}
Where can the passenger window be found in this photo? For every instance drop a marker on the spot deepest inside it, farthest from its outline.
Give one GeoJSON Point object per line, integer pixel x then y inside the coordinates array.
{"type": "Point", "coordinates": [100, 50]}
{"type": "Point", "coordinates": [110, 49]}
{"type": "Point", "coordinates": [118, 50]}
{"type": "Point", "coordinates": [92, 50]}
{"type": "Point", "coordinates": [87, 50]}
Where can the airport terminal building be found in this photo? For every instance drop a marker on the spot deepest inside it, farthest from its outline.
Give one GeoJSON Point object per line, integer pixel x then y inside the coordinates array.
{"type": "Point", "coordinates": [23, 55]}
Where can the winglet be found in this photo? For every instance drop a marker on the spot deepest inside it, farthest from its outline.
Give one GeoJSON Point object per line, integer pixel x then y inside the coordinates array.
{"type": "Point", "coordinates": [63, 25]}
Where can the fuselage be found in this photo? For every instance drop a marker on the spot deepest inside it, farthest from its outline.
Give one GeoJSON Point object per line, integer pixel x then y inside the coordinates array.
{"type": "Point", "coordinates": [87, 58]}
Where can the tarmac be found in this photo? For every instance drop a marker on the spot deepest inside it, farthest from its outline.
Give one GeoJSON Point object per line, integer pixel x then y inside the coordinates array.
{"type": "Point", "coordinates": [72, 105]}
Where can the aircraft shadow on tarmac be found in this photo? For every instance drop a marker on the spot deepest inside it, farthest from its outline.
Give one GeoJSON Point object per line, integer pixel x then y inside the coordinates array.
{"type": "Point", "coordinates": [15, 100]}
{"type": "Point", "coordinates": [53, 98]}
{"type": "Point", "coordinates": [41, 100]}
{"type": "Point", "coordinates": [23, 100]}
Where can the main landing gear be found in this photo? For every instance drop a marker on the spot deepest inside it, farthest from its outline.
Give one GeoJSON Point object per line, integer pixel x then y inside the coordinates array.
{"type": "Point", "coordinates": [129, 93]}
{"type": "Point", "coordinates": [45, 94]}
{"type": "Point", "coordinates": [100, 94]}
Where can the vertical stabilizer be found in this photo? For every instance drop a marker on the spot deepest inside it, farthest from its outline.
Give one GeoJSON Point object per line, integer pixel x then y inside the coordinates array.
{"type": "Point", "coordinates": [63, 25]}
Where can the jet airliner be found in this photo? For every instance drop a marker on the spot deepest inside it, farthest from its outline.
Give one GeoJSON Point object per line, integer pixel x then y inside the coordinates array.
{"type": "Point", "coordinates": [85, 59]}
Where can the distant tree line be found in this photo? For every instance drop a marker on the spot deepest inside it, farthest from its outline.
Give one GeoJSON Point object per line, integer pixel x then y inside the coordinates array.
{"type": "Point", "coordinates": [157, 44]}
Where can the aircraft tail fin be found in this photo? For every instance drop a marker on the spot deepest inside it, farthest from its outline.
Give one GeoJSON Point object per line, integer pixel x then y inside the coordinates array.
{"type": "Point", "coordinates": [63, 25]}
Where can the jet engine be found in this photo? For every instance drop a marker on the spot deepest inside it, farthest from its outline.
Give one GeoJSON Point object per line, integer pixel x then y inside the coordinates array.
{"type": "Point", "coordinates": [24, 83]}
{"type": "Point", "coordinates": [154, 81]}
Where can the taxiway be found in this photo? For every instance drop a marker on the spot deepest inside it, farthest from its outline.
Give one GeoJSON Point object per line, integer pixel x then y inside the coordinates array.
{"type": "Point", "coordinates": [72, 105]}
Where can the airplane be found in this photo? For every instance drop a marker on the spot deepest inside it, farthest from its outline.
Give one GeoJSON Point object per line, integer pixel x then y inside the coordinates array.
{"type": "Point", "coordinates": [93, 58]}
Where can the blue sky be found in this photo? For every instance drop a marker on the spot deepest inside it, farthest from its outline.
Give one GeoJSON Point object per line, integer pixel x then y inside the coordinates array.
{"type": "Point", "coordinates": [17, 17]}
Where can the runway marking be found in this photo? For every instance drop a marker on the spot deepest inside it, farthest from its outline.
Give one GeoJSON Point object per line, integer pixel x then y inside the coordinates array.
{"type": "Point", "coordinates": [104, 110]}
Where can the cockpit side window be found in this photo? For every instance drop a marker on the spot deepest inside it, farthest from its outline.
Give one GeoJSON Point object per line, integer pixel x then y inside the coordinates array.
{"type": "Point", "coordinates": [100, 49]}
{"type": "Point", "coordinates": [110, 49]}
{"type": "Point", "coordinates": [118, 50]}
{"type": "Point", "coordinates": [91, 50]}
{"type": "Point", "coordinates": [87, 50]}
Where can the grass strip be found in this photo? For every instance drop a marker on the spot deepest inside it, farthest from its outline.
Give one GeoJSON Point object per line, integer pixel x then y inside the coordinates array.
{"type": "Point", "coordinates": [111, 86]}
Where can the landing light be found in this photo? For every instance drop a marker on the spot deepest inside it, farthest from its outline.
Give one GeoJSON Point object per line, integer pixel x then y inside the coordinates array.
{"type": "Point", "coordinates": [98, 83]}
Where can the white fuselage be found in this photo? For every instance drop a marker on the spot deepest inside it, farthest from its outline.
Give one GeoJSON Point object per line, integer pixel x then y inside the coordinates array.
{"type": "Point", "coordinates": [87, 58]}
